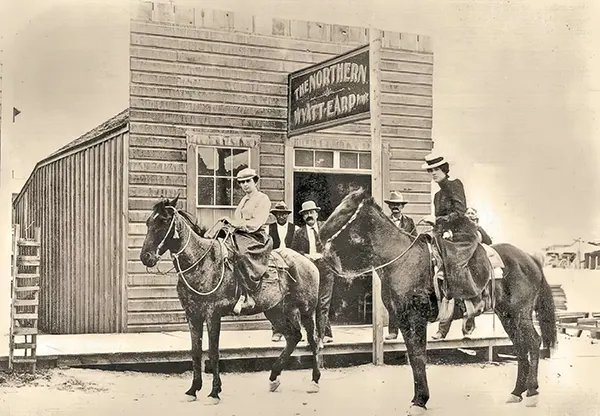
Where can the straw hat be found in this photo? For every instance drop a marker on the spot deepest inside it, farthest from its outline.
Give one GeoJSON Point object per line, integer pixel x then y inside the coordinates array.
{"type": "Point", "coordinates": [309, 205]}
{"type": "Point", "coordinates": [247, 173]}
{"type": "Point", "coordinates": [395, 198]}
{"type": "Point", "coordinates": [433, 161]}
{"type": "Point", "coordinates": [281, 207]}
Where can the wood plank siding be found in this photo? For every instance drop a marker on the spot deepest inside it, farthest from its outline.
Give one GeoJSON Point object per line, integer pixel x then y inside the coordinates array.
{"type": "Point", "coordinates": [76, 196]}
{"type": "Point", "coordinates": [200, 74]}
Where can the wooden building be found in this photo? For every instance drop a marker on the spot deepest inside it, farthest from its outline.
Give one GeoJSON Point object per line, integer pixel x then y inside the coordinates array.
{"type": "Point", "coordinates": [208, 96]}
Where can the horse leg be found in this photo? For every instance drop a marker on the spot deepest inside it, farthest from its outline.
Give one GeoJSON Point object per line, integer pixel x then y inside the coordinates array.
{"type": "Point", "coordinates": [288, 324]}
{"type": "Point", "coordinates": [196, 335]}
{"type": "Point", "coordinates": [214, 331]}
{"type": "Point", "coordinates": [533, 341]}
{"type": "Point", "coordinates": [510, 326]}
{"type": "Point", "coordinates": [413, 326]}
{"type": "Point", "coordinates": [309, 323]}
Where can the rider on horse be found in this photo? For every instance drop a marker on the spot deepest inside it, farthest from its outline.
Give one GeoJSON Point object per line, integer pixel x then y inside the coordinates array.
{"type": "Point", "coordinates": [252, 241]}
{"type": "Point", "coordinates": [456, 241]}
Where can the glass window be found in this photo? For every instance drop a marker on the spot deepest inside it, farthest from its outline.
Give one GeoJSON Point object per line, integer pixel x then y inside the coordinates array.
{"type": "Point", "coordinates": [217, 169]}
{"type": "Point", "coordinates": [304, 158]}
{"type": "Point", "coordinates": [348, 160]}
{"type": "Point", "coordinates": [324, 159]}
{"type": "Point", "coordinates": [364, 160]}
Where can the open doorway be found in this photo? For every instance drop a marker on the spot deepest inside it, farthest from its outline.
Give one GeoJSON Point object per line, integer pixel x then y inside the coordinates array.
{"type": "Point", "coordinates": [328, 190]}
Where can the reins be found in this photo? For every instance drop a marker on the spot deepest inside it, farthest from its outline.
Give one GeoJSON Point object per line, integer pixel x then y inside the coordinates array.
{"type": "Point", "coordinates": [175, 256]}
{"type": "Point", "coordinates": [371, 269]}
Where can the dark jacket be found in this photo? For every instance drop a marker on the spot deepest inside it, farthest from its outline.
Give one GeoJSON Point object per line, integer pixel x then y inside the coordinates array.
{"type": "Point", "coordinates": [485, 238]}
{"type": "Point", "coordinates": [300, 240]}
{"type": "Point", "coordinates": [407, 224]}
{"type": "Point", "coordinates": [291, 228]}
{"type": "Point", "coordinates": [450, 202]}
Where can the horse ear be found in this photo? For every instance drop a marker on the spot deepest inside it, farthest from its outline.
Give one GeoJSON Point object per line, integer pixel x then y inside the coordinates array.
{"type": "Point", "coordinates": [173, 203]}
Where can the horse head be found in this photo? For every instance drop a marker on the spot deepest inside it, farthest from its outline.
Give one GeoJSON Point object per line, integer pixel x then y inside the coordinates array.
{"type": "Point", "coordinates": [346, 233]}
{"type": "Point", "coordinates": [161, 231]}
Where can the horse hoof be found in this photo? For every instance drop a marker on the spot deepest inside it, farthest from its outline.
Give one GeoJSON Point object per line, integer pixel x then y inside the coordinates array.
{"type": "Point", "coordinates": [212, 401]}
{"type": "Point", "coordinates": [514, 399]}
{"type": "Point", "coordinates": [415, 410]}
{"type": "Point", "coordinates": [189, 398]}
{"type": "Point", "coordinates": [273, 385]}
{"type": "Point", "coordinates": [313, 388]}
{"type": "Point", "coordinates": [532, 401]}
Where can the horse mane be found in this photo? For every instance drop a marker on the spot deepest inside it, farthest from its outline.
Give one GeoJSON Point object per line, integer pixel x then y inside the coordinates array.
{"type": "Point", "coordinates": [371, 201]}
{"type": "Point", "coordinates": [193, 224]}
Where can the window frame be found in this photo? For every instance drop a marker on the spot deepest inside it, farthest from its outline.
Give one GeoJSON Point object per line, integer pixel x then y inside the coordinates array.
{"type": "Point", "coordinates": [336, 161]}
{"type": "Point", "coordinates": [214, 176]}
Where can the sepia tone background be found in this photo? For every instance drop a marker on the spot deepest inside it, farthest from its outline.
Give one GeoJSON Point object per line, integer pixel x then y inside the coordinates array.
{"type": "Point", "coordinates": [516, 98]}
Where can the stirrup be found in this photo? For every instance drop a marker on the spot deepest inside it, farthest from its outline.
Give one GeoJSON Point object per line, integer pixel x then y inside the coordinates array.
{"type": "Point", "coordinates": [237, 309]}
{"type": "Point", "coordinates": [446, 310]}
{"type": "Point", "coordinates": [474, 310]}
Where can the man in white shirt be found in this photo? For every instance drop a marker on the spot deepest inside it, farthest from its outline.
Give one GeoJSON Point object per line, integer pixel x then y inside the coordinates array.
{"type": "Point", "coordinates": [282, 233]}
{"type": "Point", "coordinates": [307, 242]}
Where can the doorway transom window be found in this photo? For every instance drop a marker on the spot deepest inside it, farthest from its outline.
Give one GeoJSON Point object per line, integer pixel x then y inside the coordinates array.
{"type": "Point", "coordinates": [328, 160]}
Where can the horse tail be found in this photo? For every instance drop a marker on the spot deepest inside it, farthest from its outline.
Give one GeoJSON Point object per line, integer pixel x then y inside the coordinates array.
{"type": "Point", "coordinates": [544, 310]}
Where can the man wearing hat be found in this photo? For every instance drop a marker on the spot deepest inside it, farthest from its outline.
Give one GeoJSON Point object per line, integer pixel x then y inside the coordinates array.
{"type": "Point", "coordinates": [282, 233]}
{"type": "Point", "coordinates": [250, 236]}
{"type": "Point", "coordinates": [306, 241]}
{"type": "Point", "coordinates": [396, 203]}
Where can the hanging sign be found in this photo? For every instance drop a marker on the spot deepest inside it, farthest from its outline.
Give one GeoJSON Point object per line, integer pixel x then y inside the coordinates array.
{"type": "Point", "coordinates": [330, 93]}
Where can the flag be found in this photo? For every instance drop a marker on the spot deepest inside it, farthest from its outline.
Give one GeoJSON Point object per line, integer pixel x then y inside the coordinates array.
{"type": "Point", "coordinates": [16, 112]}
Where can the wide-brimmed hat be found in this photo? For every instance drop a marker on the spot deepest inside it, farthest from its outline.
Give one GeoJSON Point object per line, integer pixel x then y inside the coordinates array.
{"type": "Point", "coordinates": [281, 207]}
{"type": "Point", "coordinates": [433, 161]}
{"type": "Point", "coordinates": [247, 173]}
{"type": "Point", "coordinates": [308, 206]}
{"type": "Point", "coordinates": [395, 198]}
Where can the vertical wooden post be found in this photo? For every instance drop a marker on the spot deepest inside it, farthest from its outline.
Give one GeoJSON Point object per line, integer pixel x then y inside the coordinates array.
{"type": "Point", "coordinates": [376, 178]}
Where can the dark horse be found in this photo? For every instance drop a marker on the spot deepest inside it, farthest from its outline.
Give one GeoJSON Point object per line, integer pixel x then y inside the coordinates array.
{"type": "Point", "coordinates": [207, 291]}
{"type": "Point", "coordinates": [360, 237]}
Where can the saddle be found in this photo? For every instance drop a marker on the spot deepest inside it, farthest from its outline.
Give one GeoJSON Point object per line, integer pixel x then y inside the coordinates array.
{"type": "Point", "coordinates": [485, 267]}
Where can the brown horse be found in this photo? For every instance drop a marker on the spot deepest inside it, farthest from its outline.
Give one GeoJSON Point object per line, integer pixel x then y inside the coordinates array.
{"type": "Point", "coordinates": [360, 238]}
{"type": "Point", "coordinates": [207, 291]}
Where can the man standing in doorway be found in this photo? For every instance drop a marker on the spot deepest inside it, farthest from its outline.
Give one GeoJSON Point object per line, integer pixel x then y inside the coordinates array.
{"type": "Point", "coordinates": [306, 241]}
{"type": "Point", "coordinates": [396, 203]}
{"type": "Point", "coordinates": [282, 232]}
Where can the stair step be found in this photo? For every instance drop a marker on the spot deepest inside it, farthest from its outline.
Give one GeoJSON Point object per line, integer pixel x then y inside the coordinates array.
{"type": "Point", "coordinates": [25, 331]}
{"type": "Point", "coordinates": [24, 359]}
{"type": "Point", "coordinates": [26, 302]}
{"type": "Point", "coordinates": [25, 316]}
{"type": "Point", "coordinates": [28, 243]}
{"type": "Point", "coordinates": [28, 261]}
{"type": "Point", "coordinates": [27, 289]}
{"type": "Point", "coordinates": [24, 345]}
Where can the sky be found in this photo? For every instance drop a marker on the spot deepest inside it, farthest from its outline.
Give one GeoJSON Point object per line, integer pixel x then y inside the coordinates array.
{"type": "Point", "coordinates": [516, 94]}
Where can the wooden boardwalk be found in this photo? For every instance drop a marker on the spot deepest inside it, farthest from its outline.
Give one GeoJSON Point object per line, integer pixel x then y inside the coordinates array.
{"type": "Point", "coordinates": [164, 347]}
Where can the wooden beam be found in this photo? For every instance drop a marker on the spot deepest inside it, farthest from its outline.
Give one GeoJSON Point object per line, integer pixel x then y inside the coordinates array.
{"type": "Point", "coordinates": [376, 178]}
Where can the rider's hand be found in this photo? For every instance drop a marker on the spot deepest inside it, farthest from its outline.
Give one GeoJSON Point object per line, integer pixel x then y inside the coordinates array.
{"type": "Point", "coordinates": [224, 220]}
{"type": "Point", "coordinates": [447, 235]}
{"type": "Point", "coordinates": [429, 219]}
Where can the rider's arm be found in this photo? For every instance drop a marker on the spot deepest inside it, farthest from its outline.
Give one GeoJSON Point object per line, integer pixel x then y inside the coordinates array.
{"type": "Point", "coordinates": [458, 200]}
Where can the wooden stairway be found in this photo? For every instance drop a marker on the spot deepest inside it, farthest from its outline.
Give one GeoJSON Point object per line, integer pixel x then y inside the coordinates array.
{"type": "Point", "coordinates": [25, 300]}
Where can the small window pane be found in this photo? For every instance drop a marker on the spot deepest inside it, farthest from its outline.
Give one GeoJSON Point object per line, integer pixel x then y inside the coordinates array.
{"type": "Point", "coordinates": [240, 160]}
{"type": "Point", "coordinates": [304, 158]}
{"type": "Point", "coordinates": [206, 191]}
{"type": "Point", "coordinates": [223, 191]}
{"type": "Point", "coordinates": [224, 162]}
{"type": "Point", "coordinates": [348, 160]}
{"type": "Point", "coordinates": [323, 159]}
{"type": "Point", "coordinates": [364, 161]}
{"type": "Point", "coordinates": [238, 193]}
{"type": "Point", "coordinates": [206, 161]}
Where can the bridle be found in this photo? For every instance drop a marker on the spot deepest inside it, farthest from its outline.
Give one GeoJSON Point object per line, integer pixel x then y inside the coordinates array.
{"type": "Point", "coordinates": [370, 269]}
{"type": "Point", "coordinates": [175, 256]}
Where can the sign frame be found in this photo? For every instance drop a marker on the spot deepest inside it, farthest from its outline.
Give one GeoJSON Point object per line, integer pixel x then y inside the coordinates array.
{"type": "Point", "coordinates": [313, 68]}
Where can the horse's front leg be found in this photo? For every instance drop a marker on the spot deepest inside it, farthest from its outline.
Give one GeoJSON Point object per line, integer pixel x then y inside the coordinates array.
{"type": "Point", "coordinates": [213, 324]}
{"type": "Point", "coordinates": [413, 326]}
{"type": "Point", "coordinates": [195, 325]}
